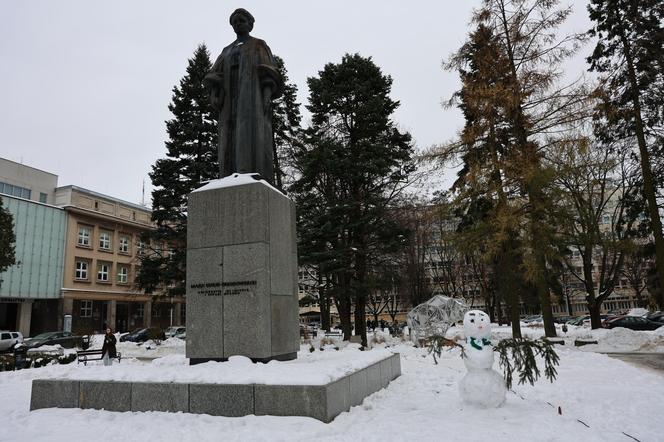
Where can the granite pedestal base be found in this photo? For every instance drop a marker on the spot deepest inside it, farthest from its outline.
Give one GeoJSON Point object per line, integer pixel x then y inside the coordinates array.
{"type": "Point", "coordinates": [322, 402]}
{"type": "Point", "coordinates": [241, 272]}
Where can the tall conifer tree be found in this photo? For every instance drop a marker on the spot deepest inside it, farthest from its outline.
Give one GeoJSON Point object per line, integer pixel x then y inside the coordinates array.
{"type": "Point", "coordinates": [534, 108]}
{"type": "Point", "coordinates": [352, 165]}
{"type": "Point", "coordinates": [191, 159]}
{"type": "Point", "coordinates": [286, 120]}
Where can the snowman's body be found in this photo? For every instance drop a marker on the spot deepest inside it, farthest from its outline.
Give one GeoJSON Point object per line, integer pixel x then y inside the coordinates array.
{"type": "Point", "coordinates": [481, 386]}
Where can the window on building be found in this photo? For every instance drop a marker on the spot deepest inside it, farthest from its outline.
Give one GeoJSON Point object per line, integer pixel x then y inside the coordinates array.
{"type": "Point", "coordinates": [105, 240]}
{"type": "Point", "coordinates": [81, 270]}
{"type": "Point", "coordinates": [18, 191]}
{"type": "Point", "coordinates": [156, 312]}
{"type": "Point", "coordinates": [123, 274]}
{"type": "Point", "coordinates": [140, 310]}
{"type": "Point", "coordinates": [86, 308]}
{"type": "Point", "coordinates": [141, 248]}
{"type": "Point", "coordinates": [43, 197]}
{"type": "Point", "coordinates": [103, 270]}
{"type": "Point", "coordinates": [124, 244]}
{"type": "Point", "coordinates": [606, 219]}
{"type": "Point", "coordinates": [84, 236]}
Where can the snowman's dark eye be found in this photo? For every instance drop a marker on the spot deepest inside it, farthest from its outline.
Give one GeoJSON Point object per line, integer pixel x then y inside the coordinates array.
{"type": "Point", "coordinates": [472, 320]}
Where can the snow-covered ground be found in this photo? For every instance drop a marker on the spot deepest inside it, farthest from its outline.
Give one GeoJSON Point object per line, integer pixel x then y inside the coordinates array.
{"type": "Point", "coordinates": [608, 340]}
{"type": "Point", "coordinates": [600, 398]}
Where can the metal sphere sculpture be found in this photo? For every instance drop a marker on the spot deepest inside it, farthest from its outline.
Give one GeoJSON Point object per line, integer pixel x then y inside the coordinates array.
{"type": "Point", "coordinates": [434, 317]}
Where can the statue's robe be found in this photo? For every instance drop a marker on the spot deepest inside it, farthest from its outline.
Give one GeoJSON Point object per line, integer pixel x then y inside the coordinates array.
{"type": "Point", "coordinates": [236, 83]}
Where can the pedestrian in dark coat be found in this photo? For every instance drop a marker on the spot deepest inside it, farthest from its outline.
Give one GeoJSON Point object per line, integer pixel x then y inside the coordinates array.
{"type": "Point", "coordinates": [108, 350]}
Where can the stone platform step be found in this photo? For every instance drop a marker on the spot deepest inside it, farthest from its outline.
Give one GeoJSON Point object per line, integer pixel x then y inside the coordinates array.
{"type": "Point", "coordinates": [322, 402]}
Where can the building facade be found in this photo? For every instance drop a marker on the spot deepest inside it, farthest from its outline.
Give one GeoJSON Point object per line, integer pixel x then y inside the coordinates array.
{"type": "Point", "coordinates": [27, 182]}
{"type": "Point", "coordinates": [102, 255]}
{"type": "Point", "coordinates": [77, 252]}
{"type": "Point", "coordinates": [30, 290]}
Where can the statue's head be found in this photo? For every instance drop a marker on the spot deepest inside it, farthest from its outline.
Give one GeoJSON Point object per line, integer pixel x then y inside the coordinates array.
{"type": "Point", "coordinates": [241, 21]}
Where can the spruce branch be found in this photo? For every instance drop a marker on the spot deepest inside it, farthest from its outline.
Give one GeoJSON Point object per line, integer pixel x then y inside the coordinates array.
{"type": "Point", "coordinates": [519, 355]}
{"type": "Point", "coordinates": [436, 344]}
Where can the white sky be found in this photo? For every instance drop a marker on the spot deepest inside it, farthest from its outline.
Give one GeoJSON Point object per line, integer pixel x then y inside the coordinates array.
{"type": "Point", "coordinates": [84, 85]}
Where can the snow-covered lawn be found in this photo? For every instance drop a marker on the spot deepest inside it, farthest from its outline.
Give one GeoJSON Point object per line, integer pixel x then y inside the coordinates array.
{"type": "Point", "coordinates": [609, 396]}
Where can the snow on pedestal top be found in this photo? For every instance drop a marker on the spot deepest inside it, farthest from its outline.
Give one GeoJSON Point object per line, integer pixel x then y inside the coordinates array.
{"type": "Point", "coordinates": [317, 368]}
{"type": "Point", "coordinates": [237, 179]}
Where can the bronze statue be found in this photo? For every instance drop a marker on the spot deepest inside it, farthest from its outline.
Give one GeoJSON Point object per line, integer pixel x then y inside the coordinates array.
{"type": "Point", "coordinates": [242, 84]}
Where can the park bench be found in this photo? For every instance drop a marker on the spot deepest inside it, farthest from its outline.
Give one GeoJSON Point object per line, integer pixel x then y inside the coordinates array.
{"type": "Point", "coordinates": [92, 355]}
{"type": "Point", "coordinates": [334, 334]}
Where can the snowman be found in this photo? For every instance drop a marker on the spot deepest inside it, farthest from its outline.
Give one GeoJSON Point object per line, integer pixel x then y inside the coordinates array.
{"type": "Point", "coordinates": [482, 386]}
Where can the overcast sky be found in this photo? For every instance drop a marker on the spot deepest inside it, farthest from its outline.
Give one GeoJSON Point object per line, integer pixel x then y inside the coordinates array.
{"type": "Point", "coordinates": [84, 85]}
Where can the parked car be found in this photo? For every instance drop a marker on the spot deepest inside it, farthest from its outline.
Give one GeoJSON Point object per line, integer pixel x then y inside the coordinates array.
{"type": "Point", "coordinates": [63, 338]}
{"type": "Point", "coordinates": [533, 318]}
{"type": "Point", "coordinates": [632, 323]}
{"type": "Point", "coordinates": [182, 335]}
{"type": "Point", "coordinates": [143, 334]}
{"type": "Point", "coordinates": [8, 339]}
{"type": "Point", "coordinates": [562, 319]}
{"type": "Point", "coordinates": [657, 317]}
{"type": "Point", "coordinates": [579, 320]}
{"type": "Point", "coordinates": [170, 332]}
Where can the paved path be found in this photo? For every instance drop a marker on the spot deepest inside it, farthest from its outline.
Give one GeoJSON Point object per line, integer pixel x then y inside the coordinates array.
{"type": "Point", "coordinates": [653, 361]}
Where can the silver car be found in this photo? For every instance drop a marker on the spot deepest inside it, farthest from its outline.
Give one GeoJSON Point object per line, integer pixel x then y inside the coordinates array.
{"type": "Point", "coordinates": [172, 331]}
{"type": "Point", "coordinates": [8, 339]}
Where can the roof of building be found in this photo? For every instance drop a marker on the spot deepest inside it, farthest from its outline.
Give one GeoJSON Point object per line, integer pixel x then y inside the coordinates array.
{"type": "Point", "coordinates": [107, 197]}
{"type": "Point", "coordinates": [29, 167]}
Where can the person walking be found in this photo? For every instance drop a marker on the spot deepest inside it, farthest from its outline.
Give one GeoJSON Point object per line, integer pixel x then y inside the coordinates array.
{"type": "Point", "coordinates": [108, 350]}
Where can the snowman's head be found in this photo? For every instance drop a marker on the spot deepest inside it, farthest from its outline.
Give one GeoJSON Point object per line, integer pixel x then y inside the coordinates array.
{"type": "Point", "coordinates": [476, 324]}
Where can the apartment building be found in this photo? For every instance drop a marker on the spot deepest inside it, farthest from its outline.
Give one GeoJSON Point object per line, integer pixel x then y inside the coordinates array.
{"type": "Point", "coordinates": [102, 256]}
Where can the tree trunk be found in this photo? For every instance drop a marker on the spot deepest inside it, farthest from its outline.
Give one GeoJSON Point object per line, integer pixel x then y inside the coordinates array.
{"type": "Point", "coordinates": [324, 300]}
{"type": "Point", "coordinates": [344, 306]}
{"type": "Point", "coordinates": [594, 309]}
{"type": "Point", "coordinates": [506, 282]}
{"type": "Point", "coordinates": [360, 318]}
{"type": "Point", "coordinates": [646, 170]}
{"type": "Point", "coordinates": [361, 299]}
{"type": "Point", "coordinates": [545, 299]}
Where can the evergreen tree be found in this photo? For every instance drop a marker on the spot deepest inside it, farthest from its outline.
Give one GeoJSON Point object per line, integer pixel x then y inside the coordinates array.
{"type": "Point", "coordinates": [353, 163]}
{"type": "Point", "coordinates": [7, 239]}
{"type": "Point", "coordinates": [286, 120]}
{"type": "Point", "coordinates": [524, 108]}
{"type": "Point", "coordinates": [630, 38]}
{"type": "Point", "coordinates": [191, 159]}
{"type": "Point", "coordinates": [487, 197]}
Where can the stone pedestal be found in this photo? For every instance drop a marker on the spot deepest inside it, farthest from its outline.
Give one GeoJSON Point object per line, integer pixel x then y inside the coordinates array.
{"type": "Point", "coordinates": [241, 272]}
{"type": "Point", "coordinates": [323, 402]}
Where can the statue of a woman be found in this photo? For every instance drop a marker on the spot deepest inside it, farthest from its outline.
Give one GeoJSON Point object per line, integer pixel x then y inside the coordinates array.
{"type": "Point", "coordinates": [242, 84]}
